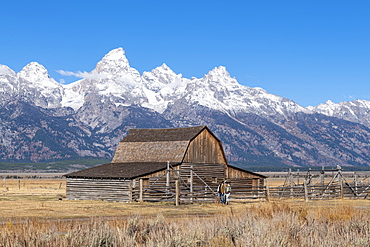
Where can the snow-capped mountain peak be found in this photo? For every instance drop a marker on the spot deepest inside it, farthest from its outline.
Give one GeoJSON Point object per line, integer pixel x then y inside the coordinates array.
{"type": "Point", "coordinates": [114, 63]}
{"type": "Point", "coordinates": [356, 111]}
{"type": "Point", "coordinates": [34, 72]}
{"type": "Point", "coordinates": [5, 70]}
{"type": "Point", "coordinates": [116, 54]}
{"type": "Point", "coordinates": [115, 66]}
{"type": "Point", "coordinates": [165, 67]}
{"type": "Point", "coordinates": [162, 75]}
{"type": "Point", "coordinates": [115, 80]}
{"type": "Point", "coordinates": [217, 73]}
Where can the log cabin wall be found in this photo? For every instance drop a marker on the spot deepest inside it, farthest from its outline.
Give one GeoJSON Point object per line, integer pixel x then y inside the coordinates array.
{"type": "Point", "coordinates": [205, 148]}
{"type": "Point", "coordinates": [253, 178]}
{"type": "Point", "coordinates": [210, 173]}
{"type": "Point", "coordinates": [237, 173]}
{"type": "Point", "coordinates": [99, 189]}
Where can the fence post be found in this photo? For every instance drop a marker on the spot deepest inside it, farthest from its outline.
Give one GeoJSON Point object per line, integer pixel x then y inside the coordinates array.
{"type": "Point", "coordinates": [297, 176]}
{"type": "Point", "coordinates": [322, 175]}
{"type": "Point", "coordinates": [267, 191]}
{"type": "Point", "coordinates": [168, 175]}
{"type": "Point", "coordinates": [177, 197]}
{"type": "Point", "coordinates": [191, 183]}
{"type": "Point", "coordinates": [291, 182]}
{"type": "Point", "coordinates": [141, 190]}
{"type": "Point", "coordinates": [5, 189]}
{"type": "Point", "coordinates": [356, 184]}
{"type": "Point", "coordinates": [305, 190]}
{"type": "Point", "coordinates": [168, 179]}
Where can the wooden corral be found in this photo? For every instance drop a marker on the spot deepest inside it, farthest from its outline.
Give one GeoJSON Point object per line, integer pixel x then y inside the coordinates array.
{"type": "Point", "coordinates": [322, 184]}
{"type": "Point", "coordinates": [150, 164]}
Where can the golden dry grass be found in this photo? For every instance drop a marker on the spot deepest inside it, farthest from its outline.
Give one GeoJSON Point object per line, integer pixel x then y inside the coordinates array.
{"type": "Point", "coordinates": [41, 198]}
{"type": "Point", "coordinates": [33, 215]}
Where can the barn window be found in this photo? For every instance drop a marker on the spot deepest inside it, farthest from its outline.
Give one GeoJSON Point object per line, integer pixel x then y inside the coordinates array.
{"type": "Point", "coordinates": [214, 180]}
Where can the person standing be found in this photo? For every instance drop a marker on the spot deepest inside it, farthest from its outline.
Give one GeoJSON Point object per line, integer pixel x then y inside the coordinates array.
{"type": "Point", "coordinates": [222, 190]}
{"type": "Point", "coordinates": [227, 192]}
{"type": "Point", "coordinates": [219, 193]}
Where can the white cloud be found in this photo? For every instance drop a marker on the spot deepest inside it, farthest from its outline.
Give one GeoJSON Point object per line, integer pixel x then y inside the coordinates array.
{"type": "Point", "coordinates": [88, 75]}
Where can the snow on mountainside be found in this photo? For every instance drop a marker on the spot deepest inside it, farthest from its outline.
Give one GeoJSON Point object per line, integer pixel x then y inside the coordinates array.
{"type": "Point", "coordinates": [357, 111]}
{"type": "Point", "coordinates": [217, 90]}
{"type": "Point", "coordinates": [115, 81]}
{"type": "Point", "coordinates": [114, 78]}
{"type": "Point", "coordinates": [35, 84]}
{"type": "Point", "coordinates": [161, 87]}
{"type": "Point", "coordinates": [8, 84]}
{"type": "Point", "coordinates": [42, 118]}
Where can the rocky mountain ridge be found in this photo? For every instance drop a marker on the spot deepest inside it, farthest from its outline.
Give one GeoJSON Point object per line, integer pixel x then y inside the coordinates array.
{"type": "Point", "coordinates": [88, 117]}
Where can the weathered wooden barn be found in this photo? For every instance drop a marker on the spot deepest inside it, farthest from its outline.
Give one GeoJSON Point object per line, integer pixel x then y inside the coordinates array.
{"type": "Point", "coordinates": [148, 162]}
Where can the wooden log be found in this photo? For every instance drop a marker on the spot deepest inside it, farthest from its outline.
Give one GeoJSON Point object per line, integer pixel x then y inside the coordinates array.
{"type": "Point", "coordinates": [305, 191]}
{"type": "Point", "coordinates": [267, 191]}
{"type": "Point", "coordinates": [141, 190]}
{"type": "Point", "coordinates": [177, 198]}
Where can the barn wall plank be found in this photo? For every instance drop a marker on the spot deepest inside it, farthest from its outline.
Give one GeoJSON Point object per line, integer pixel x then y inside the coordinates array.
{"type": "Point", "coordinates": [98, 189]}
{"type": "Point", "coordinates": [205, 148]}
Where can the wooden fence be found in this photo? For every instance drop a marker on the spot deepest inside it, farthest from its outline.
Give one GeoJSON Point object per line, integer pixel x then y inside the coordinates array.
{"type": "Point", "coordinates": [326, 191]}
{"type": "Point", "coordinates": [161, 192]}
{"type": "Point", "coordinates": [203, 189]}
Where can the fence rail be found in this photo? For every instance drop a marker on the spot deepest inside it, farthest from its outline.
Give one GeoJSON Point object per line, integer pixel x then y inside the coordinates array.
{"type": "Point", "coordinates": [248, 193]}
{"type": "Point", "coordinates": [202, 189]}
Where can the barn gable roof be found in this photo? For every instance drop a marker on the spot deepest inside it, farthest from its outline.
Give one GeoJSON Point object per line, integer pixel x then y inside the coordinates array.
{"type": "Point", "coordinates": [146, 151]}
{"type": "Point", "coordinates": [157, 145]}
{"type": "Point", "coordinates": [163, 135]}
{"type": "Point", "coordinates": [119, 170]}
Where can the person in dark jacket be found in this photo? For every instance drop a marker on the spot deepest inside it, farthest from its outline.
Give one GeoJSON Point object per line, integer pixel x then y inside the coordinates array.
{"type": "Point", "coordinates": [219, 193]}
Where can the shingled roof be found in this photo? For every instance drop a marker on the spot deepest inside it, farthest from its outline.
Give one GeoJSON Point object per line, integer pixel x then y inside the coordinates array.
{"type": "Point", "coordinates": [160, 135]}
{"type": "Point", "coordinates": [145, 151]}
{"type": "Point", "coordinates": [119, 170]}
{"type": "Point", "coordinates": [156, 145]}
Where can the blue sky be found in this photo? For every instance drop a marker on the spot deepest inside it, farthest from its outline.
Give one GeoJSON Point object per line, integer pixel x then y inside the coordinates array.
{"type": "Point", "coordinates": [306, 51]}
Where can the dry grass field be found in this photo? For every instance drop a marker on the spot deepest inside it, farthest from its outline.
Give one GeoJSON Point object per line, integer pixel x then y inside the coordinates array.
{"type": "Point", "coordinates": [32, 214]}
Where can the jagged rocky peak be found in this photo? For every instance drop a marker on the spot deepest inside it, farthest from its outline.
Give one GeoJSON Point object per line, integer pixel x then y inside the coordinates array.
{"type": "Point", "coordinates": [116, 55]}
{"type": "Point", "coordinates": [218, 73]}
{"type": "Point", "coordinates": [114, 62]}
{"type": "Point", "coordinates": [163, 70]}
{"type": "Point", "coordinates": [220, 77]}
{"type": "Point", "coordinates": [356, 111]}
{"type": "Point", "coordinates": [5, 70]}
{"type": "Point", "coordinates": [34, 72]}
{"type": "Point", "coordinates": [8, 84]}
{"type": "Point", "coordinates": [326, 108]}
{"type": "Point", "coordinates": [162, 74]}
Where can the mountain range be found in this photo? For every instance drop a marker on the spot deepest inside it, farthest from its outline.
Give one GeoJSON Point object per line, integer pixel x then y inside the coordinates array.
{"type": "Point", "coordinates": [43, 120]}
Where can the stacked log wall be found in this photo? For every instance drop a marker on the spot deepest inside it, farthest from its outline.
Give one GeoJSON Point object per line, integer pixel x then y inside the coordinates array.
{"type": "Point", "coordinates": [99, 189]}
